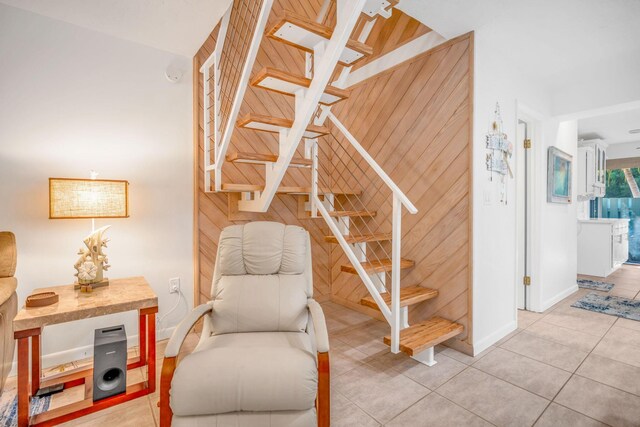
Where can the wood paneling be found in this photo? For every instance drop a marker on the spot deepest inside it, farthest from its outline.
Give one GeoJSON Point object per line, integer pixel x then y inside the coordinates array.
{"type": "Point", "coordinates": [415, 120]}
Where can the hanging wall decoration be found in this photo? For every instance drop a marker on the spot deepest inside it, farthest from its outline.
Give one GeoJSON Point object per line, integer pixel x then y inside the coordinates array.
{"type": "Point", "coordinates": [499, 151]}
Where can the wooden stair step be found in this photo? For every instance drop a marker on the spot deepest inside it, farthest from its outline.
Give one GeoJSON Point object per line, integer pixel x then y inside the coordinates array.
{"type": "Point", "coordinates": [288, 84]}
{"type": "Point", "coordinates": [304, 33]}
{"type": "Point", "coordinates": [275, 124]}
{"type": "Point", "coordinates": [419, 337]}
{"type": "Point", "coordinates": [377, 266]}
{"type": "Point", "coordinates": [375, 237]}
{"type": "Point", "coordinates": [352, 214]}
{"type": "Point", "coordinates": [408, 296]}
{"type": "Point", "coordinates": [263, 158]}
{"type": "Point", "coordinates": [241, 188]}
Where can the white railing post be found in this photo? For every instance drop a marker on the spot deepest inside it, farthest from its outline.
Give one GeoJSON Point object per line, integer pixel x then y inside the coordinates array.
{"type": "Point", "coordinates": [314, 178]}
{"type": "Point", "coordinates": [207, 131]}
{"type": "Point", "coordinates": [396, 236]}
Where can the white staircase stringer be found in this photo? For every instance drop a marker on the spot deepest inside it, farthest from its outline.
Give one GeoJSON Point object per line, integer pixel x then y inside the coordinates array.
{"type": "Point", "coordinates": [326, 56]}
{"type": "Point", "coordinates": [353, 259]}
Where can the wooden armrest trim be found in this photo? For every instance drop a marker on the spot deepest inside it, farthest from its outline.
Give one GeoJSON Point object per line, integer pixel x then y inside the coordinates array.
{"type": "Point", "coordinates": [168, 368]}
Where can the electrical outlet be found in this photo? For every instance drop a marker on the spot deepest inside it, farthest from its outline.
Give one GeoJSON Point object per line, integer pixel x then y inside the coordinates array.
{"type": "Point", "coordinates": [174, 285]}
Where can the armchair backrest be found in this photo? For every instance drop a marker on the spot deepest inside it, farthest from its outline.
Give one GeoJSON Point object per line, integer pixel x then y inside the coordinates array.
{"type": "Point", "coordinates": [7, 254]}
{"type": "Point", "coordinates": [262, 279]}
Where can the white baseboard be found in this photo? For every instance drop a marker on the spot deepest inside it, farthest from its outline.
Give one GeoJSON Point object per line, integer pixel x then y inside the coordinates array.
{"type": "Point", "coordinates": [559, 297]}
{"type": "Point", "coordinates": [79, 353]}
{"type": "Point", "coordinates": [485, 343]}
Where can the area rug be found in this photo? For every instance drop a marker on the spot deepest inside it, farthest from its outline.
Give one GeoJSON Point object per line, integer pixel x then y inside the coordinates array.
{"type": "Point", "coordinates": [607, 304]}
{"type": "Point", "coordinates": [9, 412]}
{"type": "Point", "coordinates": [595, 285]}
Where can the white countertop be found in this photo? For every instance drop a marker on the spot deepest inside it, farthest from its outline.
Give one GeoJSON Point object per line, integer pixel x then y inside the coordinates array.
{"type": "Point", "coordinates": [603, 220]}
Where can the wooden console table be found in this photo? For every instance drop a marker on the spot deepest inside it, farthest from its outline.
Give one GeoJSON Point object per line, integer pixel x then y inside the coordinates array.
{"type": "Point", "coordinates": [121, 295]}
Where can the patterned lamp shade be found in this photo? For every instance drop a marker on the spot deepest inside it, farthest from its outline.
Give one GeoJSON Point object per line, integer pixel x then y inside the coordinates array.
{"type": "Point", "coordinates": [88, 198]}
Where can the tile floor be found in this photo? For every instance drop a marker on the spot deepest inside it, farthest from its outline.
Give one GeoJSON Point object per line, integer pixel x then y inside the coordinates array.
{"type": "Point", "coordinates": [563, 367]}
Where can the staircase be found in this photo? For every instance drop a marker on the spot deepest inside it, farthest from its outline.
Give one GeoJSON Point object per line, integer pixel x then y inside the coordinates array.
{"type": "Point", "coordinates": [370, 239]}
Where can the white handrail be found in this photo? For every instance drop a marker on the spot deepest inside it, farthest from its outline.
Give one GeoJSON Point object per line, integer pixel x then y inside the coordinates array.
{"type": "Point", "coordinates": [355, 262]}
{"type": "Point", "coordinates": [374, 165]}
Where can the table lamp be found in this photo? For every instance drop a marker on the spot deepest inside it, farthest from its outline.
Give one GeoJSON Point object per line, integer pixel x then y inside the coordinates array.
{"type": "Point", "coordinates": [77, 198]}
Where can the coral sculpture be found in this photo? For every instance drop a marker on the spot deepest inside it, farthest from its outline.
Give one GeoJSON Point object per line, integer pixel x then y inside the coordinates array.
{"type": "Point", "coordinates": [92, 262]}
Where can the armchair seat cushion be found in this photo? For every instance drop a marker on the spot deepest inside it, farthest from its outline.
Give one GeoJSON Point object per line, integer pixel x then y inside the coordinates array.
{"type": "Point", "coordinates": [250, 371]}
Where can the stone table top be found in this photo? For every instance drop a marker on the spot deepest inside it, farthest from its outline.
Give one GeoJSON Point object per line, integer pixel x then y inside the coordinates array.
{"type": "Point", "coordinates": [132, 293]}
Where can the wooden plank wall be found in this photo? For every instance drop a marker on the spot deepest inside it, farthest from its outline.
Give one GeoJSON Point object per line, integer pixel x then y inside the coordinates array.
{"type": "Point", "coordinates": [421, 110]}
{"type": "Point", "coordinates": [212, 208]}
{"type": "Point", "coordinates": [415, 120]}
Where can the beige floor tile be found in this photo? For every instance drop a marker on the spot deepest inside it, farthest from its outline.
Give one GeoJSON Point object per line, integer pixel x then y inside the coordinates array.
{"type": "Point", "coordinates": [630, 336]}
{"type": "Point", "coordinates": [465, 358]}
{"type": "Point", "coordinates": [619, 350]}
{"type": "Point", "coordinates": [611, 372]}
{"type": "Point", "coordinates": [435, 410]}
{"type": "Point", "coordinates": [536, 377]}
{"type": "Point", "coordinates": [383, 394]}
{"type": "Point", "coordinates": [71, 395]}
{"type": "Point", "coordinates": [363, 340]}
{"type": "Point", "coordinates": [343, 357]}
{"type": "Point", "coordinates": [508, 337]}
{"type": "Point", "coordinates": [628, 323]}
{"type": "Point", "coordinates": [527, 318]}
{"type": "Point", "coordinates": [557, 416]}
{"type": "Point", "coordinates": [545, 351]}
{"type": "Point", "coordinates": [604, 403]}
{"type": "Point", "coordinates": [581, 320]}
{"type": "Point", "coordinates": [493, 399]}
{"type": "Point", "coordinates": [565, 336]}
{"type": "Point", "coordinates": [135, 413]}
{"type": "Point", "coordinates": [431, 377]}
{"type": "Point", "coordinates": [623, 292]}
{"type": "Point", "coordinates": [345, 413]}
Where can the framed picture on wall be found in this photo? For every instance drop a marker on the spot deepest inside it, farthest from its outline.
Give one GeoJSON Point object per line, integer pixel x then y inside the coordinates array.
{"type": "Point", "coordinates": [559, 170]}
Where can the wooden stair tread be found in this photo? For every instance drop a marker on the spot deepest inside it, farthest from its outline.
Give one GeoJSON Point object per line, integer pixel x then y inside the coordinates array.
{"type": "Point", "coordinates": [262, 158]}
{"type": "Point", "coordinates": [274, 124]}
{"type": "Point", "coordinates": [375, 237]}
{"type": "Point", "coordinates": [408, 296]}
{"type": "Point", "coordinates": [419, 337]}
{"type": "Point", "coordinates": [363, 214]}
{"type": "Point", "coordinates": [304, 33]}
{"type": "Point", "coordinates": [377, 266]}
{"type": "Point", "coordinates": [288, 84]}
{"type": "Point", "coordinates": [240, 188]}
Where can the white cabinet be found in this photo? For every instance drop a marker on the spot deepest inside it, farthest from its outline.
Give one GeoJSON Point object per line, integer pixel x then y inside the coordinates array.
{"type": "Point", "coordinates": [603, 245]}
{"type": "Point", "coordinates": [591, 167]}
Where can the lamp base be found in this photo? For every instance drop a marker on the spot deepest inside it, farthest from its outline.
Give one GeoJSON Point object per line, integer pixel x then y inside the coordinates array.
{"type": "Point", "coordinates": [88, 287]}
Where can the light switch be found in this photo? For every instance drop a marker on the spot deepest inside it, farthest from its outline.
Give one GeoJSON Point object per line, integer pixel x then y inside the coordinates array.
{"type": "Point", "coordinates": [487, 197]}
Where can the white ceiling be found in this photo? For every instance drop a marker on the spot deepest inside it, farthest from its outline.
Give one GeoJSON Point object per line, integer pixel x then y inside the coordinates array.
{"type": "Point", "coordinates": [551, 39]}
{"type": "Point", "coordinates": [176, 26]}
{"type": "Point", "coordinates": [612, 128]}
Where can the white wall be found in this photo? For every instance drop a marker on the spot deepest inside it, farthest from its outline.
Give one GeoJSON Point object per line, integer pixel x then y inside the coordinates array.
{"type": "Point", "coordinates": [494, 239]}
{"type": "Point", "coordinates": [496, 247]}
{"type": "Point", "coordinates": [73, 100]}
{"type": "Point", "coordinates": [558, 242]}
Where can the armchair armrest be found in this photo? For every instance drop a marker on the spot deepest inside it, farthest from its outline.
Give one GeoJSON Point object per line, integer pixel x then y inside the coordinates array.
{"type": "Point", "coordinates": [183, 328]}
{"type": "Point", "coordinates": [319, 326]}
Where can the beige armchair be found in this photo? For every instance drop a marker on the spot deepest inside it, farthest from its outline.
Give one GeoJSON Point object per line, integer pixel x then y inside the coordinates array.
{"type": "Point", "coordinates": [8, 302]}
{"type": "Point", "coordinates": [263, 356]}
